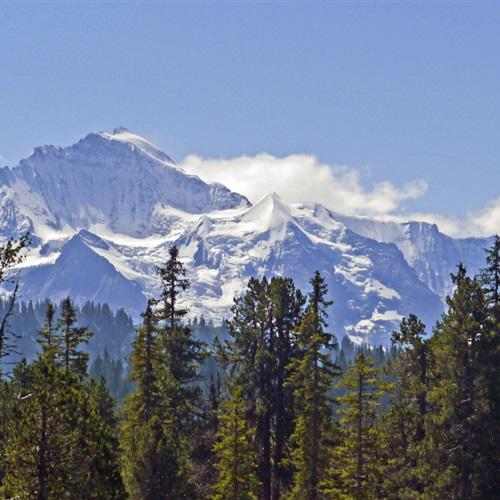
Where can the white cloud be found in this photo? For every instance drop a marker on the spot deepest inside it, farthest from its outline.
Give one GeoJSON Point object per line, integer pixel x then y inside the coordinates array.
{"type": "Point", "coordinates": [486, 221]}
{"type": "Point", "coordinates": [448, 225]}
{"type": "Point", "coordinates": [302, 178]}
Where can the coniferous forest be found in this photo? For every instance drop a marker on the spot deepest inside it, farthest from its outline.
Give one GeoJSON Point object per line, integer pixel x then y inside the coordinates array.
{"type": "Point", "coordinates": [273, 408]}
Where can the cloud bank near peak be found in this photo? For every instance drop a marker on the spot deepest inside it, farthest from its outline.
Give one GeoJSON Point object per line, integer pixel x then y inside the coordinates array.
{"type": "Point", "coordinates": [303, 178]}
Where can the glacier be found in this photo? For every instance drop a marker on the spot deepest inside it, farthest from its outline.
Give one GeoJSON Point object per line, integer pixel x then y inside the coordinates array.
{"type": "Point", "coordinates": [103, 212]}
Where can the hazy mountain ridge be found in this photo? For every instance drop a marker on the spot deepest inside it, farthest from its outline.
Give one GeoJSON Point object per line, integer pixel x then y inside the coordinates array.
{"type": "Point", "coordinates": [104, 211]}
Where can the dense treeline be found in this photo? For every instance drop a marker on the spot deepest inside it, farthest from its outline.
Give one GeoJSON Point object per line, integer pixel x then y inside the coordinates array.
{"type": "Point", "coordinates": [275, 409]}
{"type": "Point", "coordinates": [112, 330]}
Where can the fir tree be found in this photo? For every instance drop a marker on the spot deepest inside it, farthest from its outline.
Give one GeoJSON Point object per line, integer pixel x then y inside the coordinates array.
{"type": "Point", "coordinates": [10, 254]}
{"type": "Point", "coordinates": [141, 426]}
{"type": "Point", "coordinates": [181, 353]}
{"type": "Point", "coordinates": [47, 337]}
{"type": "Point", "coordinates": [61, 441]}
{"type": "Point", "coordinates": [236, 464]}
{"type": "Point", "coordinates": [263, 342]}
{"type": "Point", "coordinates": [312, 379]}
{"type": "Point", "coordinates": [353, 471]}
{"type": "Point", "coordinates": [71, 336]}
{"type": "Point", "coordinates": [101, 446]}
{"type": "Point", "coordinates": [203, 455]}
{"type": "Point", "coordinates": [459, 393]}
{"type": "Point", "coordinates": [404, 420]}
{"type": "Point", "coordinates": [159, 415]}
{"type": "Point", "coordinates": [490, 429]}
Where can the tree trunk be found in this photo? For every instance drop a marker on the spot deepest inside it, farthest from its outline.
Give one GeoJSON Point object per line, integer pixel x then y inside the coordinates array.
{"type": "Point", "coordinates": [42, 454]}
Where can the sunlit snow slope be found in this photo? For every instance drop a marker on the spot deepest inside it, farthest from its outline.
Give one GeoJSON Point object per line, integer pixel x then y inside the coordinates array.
{"type": "Point", "coordinates": [104, 211]}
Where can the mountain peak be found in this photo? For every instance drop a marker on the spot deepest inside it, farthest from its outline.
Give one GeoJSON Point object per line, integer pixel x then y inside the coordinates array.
{"type": "Point", "coordinates": [120, 130]}
{"type": "Point", "coordinates": [269, 212]}
{"type": "Point", "coordinates": [123, 135]}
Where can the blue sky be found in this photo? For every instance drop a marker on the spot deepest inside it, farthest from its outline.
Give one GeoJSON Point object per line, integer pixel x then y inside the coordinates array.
{"type": "Point", "coordinates": [397, 91]}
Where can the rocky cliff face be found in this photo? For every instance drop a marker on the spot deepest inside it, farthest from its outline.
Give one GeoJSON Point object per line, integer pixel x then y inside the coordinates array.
{"type": "Point", "coordinates": [103, 212]}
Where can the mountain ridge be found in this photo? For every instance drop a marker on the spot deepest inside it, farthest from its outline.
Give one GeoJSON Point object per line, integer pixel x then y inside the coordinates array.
{"type": "Point", "coordinates": [114, 203]}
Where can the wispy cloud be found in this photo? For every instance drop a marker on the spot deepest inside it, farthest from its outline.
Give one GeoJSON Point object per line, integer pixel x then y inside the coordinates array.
{"type": "Point", "coordinates": [486, 221]}
{"type": "Point", "coordinates": [303, 178]}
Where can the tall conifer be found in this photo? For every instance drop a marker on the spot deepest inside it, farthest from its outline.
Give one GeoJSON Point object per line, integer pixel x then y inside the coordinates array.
{"type": "Point", "coordinates": [354, 465]}
{"type": "Point", "coordinates": [312, 379]}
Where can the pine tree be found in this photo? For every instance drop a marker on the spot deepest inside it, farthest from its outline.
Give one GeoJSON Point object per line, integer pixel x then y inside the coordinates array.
{"type": "Point", "coordinates": [490, 428]}
{"type": "Point", "coordinates": [101, 445]}
{"type": "Point", "coordinates": [287, 303]}
{"type": "Point", "coordinates": [71, 336]}
{"type": "Point", "coordinates": [236, 464]}
{"type": "Point", "coordinates": [262, 344]}
{"type": "Point", "coordinates": [62, 436]}
{"type": "Point", "coordinates": [312, 380]}
{"type": "Point", "coordinates": [10, 254]}
{"type": "Point", "coordinates": [353, 471]}
{"type": "Point", "coordinates": [44, 451]}
{"type": "Point", "coordinates": [459, 395]}
{"type": "Point", "coordinates": [173, 281]}
{"type": "Point", "coordinates": [47, 337]}
{"type": "Point", "coordinates": [181, 353]}
{"type": "Point", "coordinates": [43, 442]}
{"type": "Point", "coordinates": [180, 359]}
{"type": "Point", "coordinates": [141, 423]}
{"type": "Point", "coordinates": [159, 415]}
{"type": "Point", "coordinates": [404, 420]}
{"type": "Point", "coordinates": [204, 436]}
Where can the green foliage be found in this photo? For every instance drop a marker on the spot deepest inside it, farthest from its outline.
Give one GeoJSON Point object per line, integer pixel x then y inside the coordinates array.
{"type": "Point", "coordinates": [257, 357]}
{"type": "Point", "coordinates": [61, 437]}
{"type": "Point", "coordinates": [312, 375]}
{"type": "Point", "coordinates": [262, 416]}
{"type": "Point", "coordinates": [459, 392]}
{"type": "Point", "coordinates": [113, 331]}
{"type": "Point", "coordinates": [70, 338]}
{"type": "Point", "coordinates": [355, 466]}
{"type": "Point", "coordinates": [113, 373]}
{"type": "Point", "coordinates": [236, 464]}
{"type": "Point", "coordinates": [403, 424]}
{"type": "Point", "coordinates": [158, 417]}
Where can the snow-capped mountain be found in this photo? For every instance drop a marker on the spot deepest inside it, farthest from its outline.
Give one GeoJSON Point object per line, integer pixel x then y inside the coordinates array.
{"type": "Point", "coordinates": [118, 181]}
{"type": "Point", "coordinates": [432, 254]}
{"type": "Point", "coordinates": [104, 211]}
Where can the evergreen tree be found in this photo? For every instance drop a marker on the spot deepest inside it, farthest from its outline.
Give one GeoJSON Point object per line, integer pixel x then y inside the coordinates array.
{"type": "Point", "coordinates": [112, 371]}
{"type": "Point", "coordinates": [10, 254]}
{"type": "Point", "coordinates": [173, 280]}
{"type": "Point", "coordinates": [236, 464]}
{"type": "Point", "coordinates": [404, 420]}
{"type": "Point", "coordinates": [203, 456]}
{"type": "Point", "coordinates": [262, 331]}
{"type": "Point", "coordinates": [47, 337]}
{"type": "Point", "coordinates": [61, 440]}
{"type": "Point", "coordinates": [141, 426]}
{"type": "Point", "coordinates": [71, 336]}
{"type": "Point", "coordinates": [490, 429]}
{"type": "Point", "coordinates": [159, 416]}
{"type": "Point", "coordinates": [42, 450]}
{"type": "Point", "coordinates": [459, 395]}
{"type": "Point", "coordinates": [101, 445]}
{"type": "Point", "coordinates": [354, 464]}
{"type": "Point", "coordinates": [51, 451]}
{"type": "Point", "coordinates": [312, 380]}
{"type": "Point", "coordinates": [181, 353]}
